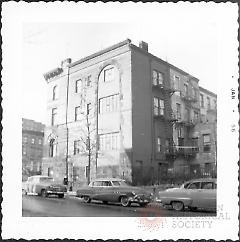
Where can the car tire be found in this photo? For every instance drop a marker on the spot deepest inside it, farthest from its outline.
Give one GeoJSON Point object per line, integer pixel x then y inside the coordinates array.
{"type": "Point", "coordinates": [61, 195]}
{"type": "Point", "coordinates": [177, 206]}
{"type": "Point", "coordinates": [86, 199]}
{"type": "Point", "coordinates": [44, 193]}
{"type": "Point", "coordinates": [193, 209]}
{"type": "Point", "coordinates": [125, 201]}
{"type": "Point", "coordinates": [105, 202]}
{"type": "Point", "coordinates": [143, 204]}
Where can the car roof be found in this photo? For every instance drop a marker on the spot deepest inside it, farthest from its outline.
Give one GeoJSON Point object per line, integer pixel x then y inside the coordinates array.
{"type": "Point", "coordinates": [202, 180]}
{"type": "Point", "coordinates": [107, 179]}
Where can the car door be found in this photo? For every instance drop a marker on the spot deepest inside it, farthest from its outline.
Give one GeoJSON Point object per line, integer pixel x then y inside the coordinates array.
{"type": "Point", "coordinates": [97, 190]}
{"type": "Point", "coordinates": [29, 184]}
{"type": "Point", "coordinates": [208, 195]}
{"type": "Point", "coordinates": [107, 192]}
{"type": "Point", "coordinates": [194, 193]}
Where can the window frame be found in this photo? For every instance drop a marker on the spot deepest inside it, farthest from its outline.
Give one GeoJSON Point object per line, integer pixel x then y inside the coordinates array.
{"type": "Point", "coordinates": [158, 106]}
{"type": "Point", "coordinates": [206, 145]}
{"type": "Point", "coordinates": [105, 77]}
{"type": "Point", "coordinates": [53, 116]}
{"type": "Point", "coordinates": [78, 85]}
{"type": "Point", "coordinates": [76, 114]}
{"type": "Point", "coordinates": [54, 93]}
{"type": "Point", "coordinates": [108, 104]}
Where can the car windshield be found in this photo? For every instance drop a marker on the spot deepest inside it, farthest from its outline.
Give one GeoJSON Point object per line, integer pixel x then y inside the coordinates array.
{"type": "Point", "coordinates": [119, 183]}
{"type": "Point", "coordinates": [46, 179]}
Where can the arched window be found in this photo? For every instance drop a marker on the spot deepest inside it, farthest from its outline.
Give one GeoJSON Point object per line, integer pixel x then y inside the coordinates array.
{"type": "Point", "coordinates": [52, 148]}
{"type": "Point", "coordinates": [108, 74]}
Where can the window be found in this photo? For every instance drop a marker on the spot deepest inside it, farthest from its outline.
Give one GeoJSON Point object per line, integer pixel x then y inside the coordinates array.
{"type": "Point", "coordinates": [185, 89]}
{"type": "Point", "coordinates": [206, 143]}
{"type": "Point", "coordinates": [78, 86]}
{"type": "Point", "coordinates": [52, 148]}
{"type": "Point", "coordinates": [187, 114]}
{"type": "Point", "coordinates": [167, 145]}
{"type": "Point", "coordinates": [40, 141]}
{"type": "Point", "coordinates": [77, 113]}
{"type": "Point", "coordinates": [97, 183]}
{"type": "Point", "coordinates": [178, 111]}
{"type": "Point", "coordinates": [106, 183]}
{"type": "Point", "coordinates": [158, 108]}
{"type": "Point", "coordinates": [25, 139]}
{"type": "Point", "coordinates": [194, 185]}
{"type": "Point", "coordinates": [158, 144]}
{"type": "Point", "coordinates": [208, 103]}
{"type": "Point", "coordinates": [215, 103]}
{"type": "Point", "coordinates": [54, 94]}
{"type": "Point", "coordinates": [108, 141]}
{"type": "Point", "coordinates": [109, 74]}
{"type": "Point", "coordinates": [88, 81]}
{"type": "Point", "coordinates": [157, 78]}
{"type": "Point", "coordinates": [194, 91]}
{"type": "Point", "coordinates": [54, 115]}
{"type": "Point", "coordinates": [202, 100]}
{"type": "Point", "coordinates": [33, 141]}
{"type": "Point", "coordinates": [77, 147]}
{"type": "Point", "coordinates": [177, 82]}
{"type": "Point", "coordinates": [24, 151]}
{"type": "Point", "coordinates": [196, 115]}
{"type": "Point", "coordinates": [88, 108]}
{"type": "Point", "coordinates": [207, 185]}
{"type": "Point", "coordinates": [109, 104]}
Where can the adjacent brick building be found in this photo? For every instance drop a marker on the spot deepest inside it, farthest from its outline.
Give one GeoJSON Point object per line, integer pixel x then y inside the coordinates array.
{"type": "Point", "coordinates": [117, 111]}
{"type": "Point", "coordinates": [32, 147]}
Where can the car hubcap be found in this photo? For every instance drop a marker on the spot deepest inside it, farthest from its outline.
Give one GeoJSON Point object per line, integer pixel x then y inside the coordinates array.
{"type": "Point", "coordinates": [86, 199]}
{"type": "Point", "coordinates": [177, 206]}
{"type": "Point", "coordinates": [124, 201]}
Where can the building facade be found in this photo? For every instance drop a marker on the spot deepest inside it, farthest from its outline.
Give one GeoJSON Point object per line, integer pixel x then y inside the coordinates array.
{"type": "Point", "coordinates": [32, 147]}
{"type": "Point", "coordinates": [113, 114]}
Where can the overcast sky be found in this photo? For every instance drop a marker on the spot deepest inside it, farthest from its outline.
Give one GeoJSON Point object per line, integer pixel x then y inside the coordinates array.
{"type": "Point", "coordinates": [184, 35]}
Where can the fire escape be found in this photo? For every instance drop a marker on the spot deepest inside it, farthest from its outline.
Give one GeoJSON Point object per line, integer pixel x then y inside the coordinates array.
{"type": "Point", "coordinates": [186, 148]}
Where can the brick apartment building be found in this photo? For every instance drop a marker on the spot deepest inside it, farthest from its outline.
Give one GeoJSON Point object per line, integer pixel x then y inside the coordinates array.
{"type": "Point", "coordinates": [124, 113]}
{"type": "Point", "coordinates": [32, 147]}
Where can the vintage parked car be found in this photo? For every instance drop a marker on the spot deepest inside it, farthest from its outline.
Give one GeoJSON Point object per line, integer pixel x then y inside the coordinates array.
{"type": "Point", "coordinates": [43, 186]}
{"type": "Point", "coordinates": [194, 194]}
{"type": "Point", "coordinates": [114, 190]}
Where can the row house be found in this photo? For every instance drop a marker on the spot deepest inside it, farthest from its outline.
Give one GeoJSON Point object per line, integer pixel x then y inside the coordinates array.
{"type": "Point", "coordinates": [32, 147]}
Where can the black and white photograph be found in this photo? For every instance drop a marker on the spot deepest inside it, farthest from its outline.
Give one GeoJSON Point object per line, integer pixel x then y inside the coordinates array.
{"type": "Point", "coordinates": [121, 115]}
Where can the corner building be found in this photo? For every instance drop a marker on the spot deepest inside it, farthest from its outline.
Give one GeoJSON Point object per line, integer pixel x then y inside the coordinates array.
{"type": "Point", "coordinates": [111, 115]}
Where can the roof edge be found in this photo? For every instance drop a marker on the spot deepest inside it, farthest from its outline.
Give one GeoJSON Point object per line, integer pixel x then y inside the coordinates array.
{"type": "Point", "coordinates": [115, 46]}
{"type": "Point", "coordinates": [207, 91]}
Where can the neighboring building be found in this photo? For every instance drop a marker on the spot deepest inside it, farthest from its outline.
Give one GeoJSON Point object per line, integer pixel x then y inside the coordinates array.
{"type": "Point", "coordinates": [118, 110]}
{"type": "Point", "coordinates": [32, 147]}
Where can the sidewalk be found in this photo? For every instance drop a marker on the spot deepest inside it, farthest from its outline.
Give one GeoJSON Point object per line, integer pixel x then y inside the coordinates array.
{"type": "Point", "coordinates": [71, 193]}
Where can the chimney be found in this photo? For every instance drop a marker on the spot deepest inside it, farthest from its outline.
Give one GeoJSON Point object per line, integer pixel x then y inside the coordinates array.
{"type": "Point", "coordinates": [66, 62]}
{"type": "Point", "coordinates": [143, 45]}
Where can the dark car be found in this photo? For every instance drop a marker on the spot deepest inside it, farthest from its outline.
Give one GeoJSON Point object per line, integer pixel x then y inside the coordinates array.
{"type": "Point", "coordinates": [43, 186]}
{"type": "Point", "coordinates": [114, 190]}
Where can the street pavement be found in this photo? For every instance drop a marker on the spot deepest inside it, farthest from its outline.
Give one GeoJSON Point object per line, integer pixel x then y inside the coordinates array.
{"type": "Point", "coordinates": [71, 206]}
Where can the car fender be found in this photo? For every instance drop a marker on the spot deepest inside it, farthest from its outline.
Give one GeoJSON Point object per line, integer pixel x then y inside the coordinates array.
{"type": "Point", "coordinates": [168, 200]}
{"type": "Point", "coordinates": [84, 192]}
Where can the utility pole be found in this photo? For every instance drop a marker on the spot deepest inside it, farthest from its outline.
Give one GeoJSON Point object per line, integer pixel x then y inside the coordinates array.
{"type": "Point", "coordinates": [66, 123]}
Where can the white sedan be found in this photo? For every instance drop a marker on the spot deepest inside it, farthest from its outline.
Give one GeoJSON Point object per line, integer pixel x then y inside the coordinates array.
{"type": "Point", "coordinates": [194, 194]}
